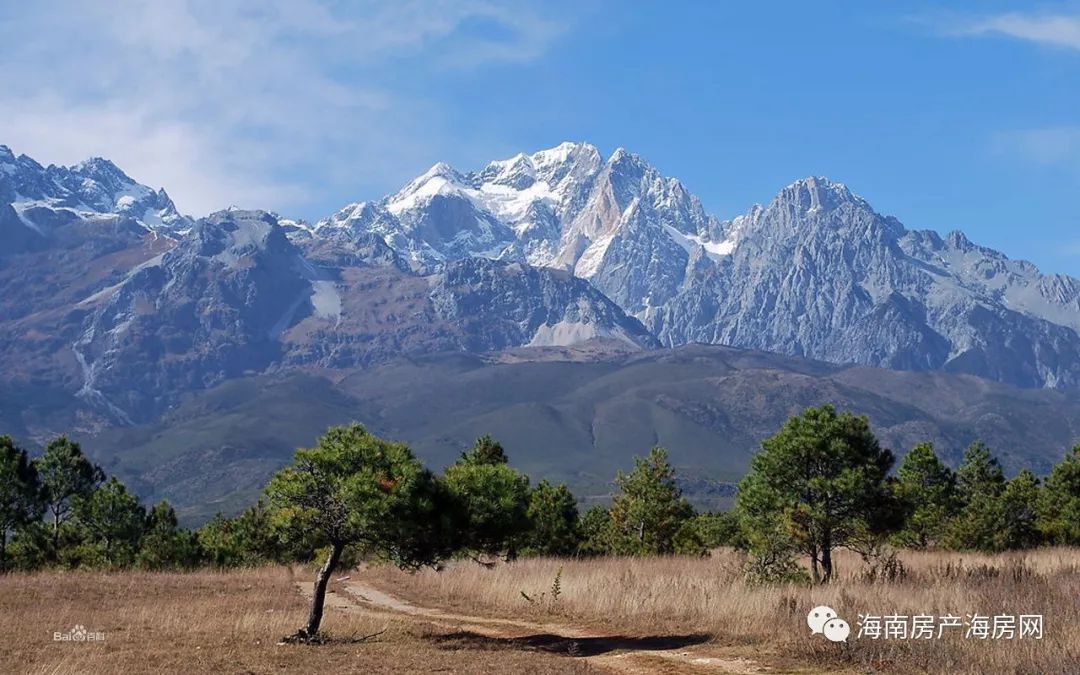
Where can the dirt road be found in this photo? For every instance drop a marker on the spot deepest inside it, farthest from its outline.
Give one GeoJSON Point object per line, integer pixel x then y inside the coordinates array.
{"type": "Point", "coordinates": [607, 652]}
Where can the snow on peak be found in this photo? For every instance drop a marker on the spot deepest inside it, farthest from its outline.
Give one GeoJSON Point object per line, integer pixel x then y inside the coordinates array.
{"type": "Point", "coordinates": [440, 179]}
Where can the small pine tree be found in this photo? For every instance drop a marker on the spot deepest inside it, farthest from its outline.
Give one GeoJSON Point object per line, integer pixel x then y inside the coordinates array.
{"type": "Point", "coordinates": [492, 499]}
{"type": "Point", "coordinates": [20, 494]}
{"type": "Point", "coordinates": [111, 523]}
{"type": "Point", "coordinates": [1059, 502]}
{"type": "Point", "coordinates": [486, 450]}
{"type": "Point", "coordinates": [649, 509]}
{"type": "Point", "coordinates": [596, 532]}
{"type": "Point", "coordinates": [553, 515]}
{"type": "Point", "coordinates": [981, 483]}
{"type": "Point", "coordinates": [66, 476]}
{"type": "Point", "coordinates": [165, 545]}
{"type": "Point", "coordinates": [355, 490]}
{"type": "Point", "coordinates": [926, 489]}
{"type": "Point", "coordinates": [1020, 501]}
{"type": "Point", "coordinates": [817, 484]}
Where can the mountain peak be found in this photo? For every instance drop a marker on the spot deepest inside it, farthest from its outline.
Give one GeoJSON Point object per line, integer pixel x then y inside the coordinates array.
{"type": "Point", "coordinates": [814, 193]}
{"type": "Point", "coordinates": [97, 166]}
{"type": "Point", "coordinates": [564, 152]}
{"type": "Point", "coordinates": [441, 178]}
{"type": "Point", "coordinates": [6, 153]}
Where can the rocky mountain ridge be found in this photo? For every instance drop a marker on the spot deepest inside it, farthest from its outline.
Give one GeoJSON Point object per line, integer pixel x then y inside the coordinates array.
{"type": "Point", "coordinates": [112, 297]}
{"type": "Point", "coordinates": [816, 272]}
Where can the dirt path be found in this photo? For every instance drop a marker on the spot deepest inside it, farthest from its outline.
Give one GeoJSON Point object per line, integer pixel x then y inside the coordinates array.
{"type": "Point", "coordinates": [608, 652]}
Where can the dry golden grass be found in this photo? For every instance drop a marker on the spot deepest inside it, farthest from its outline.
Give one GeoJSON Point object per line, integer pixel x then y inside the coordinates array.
{"type": "Point", "coordinates": [228, 622]}
{"type": "Point", "coordinates": [680, 595]}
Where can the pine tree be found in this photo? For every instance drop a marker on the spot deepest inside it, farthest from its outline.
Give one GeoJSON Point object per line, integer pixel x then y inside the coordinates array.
{"type": "Point", "coordinates": [649, 509]}
{"type": "Point", "coordinates": [927, 491]}
{"type": "Point", "coordinates": [596, 532]}
{"type": "Point", "coordinates": [553, 514]}
{"type": "Point", "coordinates": [817, 484]}
{"type": "Point", "coordinates": [66, 475]}
{"type": "Point", "coordinates": [111, 522]}
{"type": "Point", "coordinates": [1059, 502]}
{"type": "Point", "coordinates": [165, 545]}
{"type": "Point", "coordinates": [20, 493]}
{"type": "Point", "coordinates": [357, 490]}
{"type": "Point", "coordinates": [1020, 501]}
{"type": "Point", "coordinates": [493, 501]}
{"type": "Point", "coordinates": [486, 450]}
{"type": "Point", "coordinates": [980, 483]}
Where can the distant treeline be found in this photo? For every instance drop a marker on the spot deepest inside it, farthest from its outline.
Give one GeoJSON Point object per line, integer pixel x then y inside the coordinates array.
{"type": "Point", "coordinates": [821, 482]}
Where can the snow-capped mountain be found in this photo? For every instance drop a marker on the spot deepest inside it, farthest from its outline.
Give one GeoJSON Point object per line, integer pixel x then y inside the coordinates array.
{"type": "Point", "coordinates": [564, 207]}
{"type": "Point", "coordinates": [549, 249]}
{"type": "Point", "coordinates": [36, 200]}
{"type": "Point", "coordinates": [816, 272]}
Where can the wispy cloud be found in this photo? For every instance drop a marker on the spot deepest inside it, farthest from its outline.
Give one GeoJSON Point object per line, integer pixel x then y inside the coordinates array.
{"type": "Point", "coordinates": [236, 101]}
{"type": "Point", "coordinates": [1051, 146]}
{"type": "Point", "coordinates": [1055, 30]}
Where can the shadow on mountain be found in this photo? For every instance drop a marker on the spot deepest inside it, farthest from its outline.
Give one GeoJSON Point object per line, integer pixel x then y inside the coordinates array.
{"type": "Point", "coordinates": [571, 646]}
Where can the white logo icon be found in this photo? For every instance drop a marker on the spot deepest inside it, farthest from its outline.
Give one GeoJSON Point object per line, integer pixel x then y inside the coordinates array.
{"type": "Point", "coordinates": [837, 630]}
{"type": "Point", "coordinates": [823, 619]}
{"type": "Point", "coordinates": [818, 616]}
{"type": "Point", "coordinates": [79, 634]}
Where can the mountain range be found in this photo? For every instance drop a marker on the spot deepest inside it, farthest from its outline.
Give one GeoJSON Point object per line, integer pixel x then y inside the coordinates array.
{"type": "Point", "coordinates": [117, 311]}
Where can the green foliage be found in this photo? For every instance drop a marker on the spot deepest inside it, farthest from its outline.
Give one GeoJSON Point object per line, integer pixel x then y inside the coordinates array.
{"type": "Point", "coordinates": [20, 493]}
{"type": "Point", "coordinates": [596, 532]}
{"type": "Point", "coordinates": [926, 489]}
{"type": "Point", "coordinates": [707, 531]}
{"type": "Point", "coordinates": [493, 500]}
{"type": "Point", "coordinates": [773, 563]}
{"type": "Point", "coordinates": [110, 522]}
{"type": "Point", "coordinates": [981, 484]}
{"type": "Point", "coordinates": [66, 476]}
{"type": "Point", "coordinates": [1059, 502]}
{"type": "Point", "coordinates": [219, 544]}
{"type": "Point", "coordinates": [31, 547]}
{"type": "Point", "coordinates": [817, 484]}
{"type": "Point", "coordinates": [1020, 500]}
{"type": "Point", "coordinates": [166, 546]}
{"type": "Point", "coordinates": [553, 517]}
{"type": "Point", "coordinates": [486, 450]}
{"type": "Point", "coordinates": [354, 489]}
{"type": "Point", "coordinates": [649, 509]}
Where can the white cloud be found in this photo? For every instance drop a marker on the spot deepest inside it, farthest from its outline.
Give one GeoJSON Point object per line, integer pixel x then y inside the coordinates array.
{"type": "Point", "coordinates": [1048, 146]}
{"type": "Point", "coordinates": [245, 102]}
{"type": "Point", "coordinates": [1058, 30]}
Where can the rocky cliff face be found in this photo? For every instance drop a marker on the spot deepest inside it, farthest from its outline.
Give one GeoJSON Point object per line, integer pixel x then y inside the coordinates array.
{"type": "Point", "coordinates": [817, 272]}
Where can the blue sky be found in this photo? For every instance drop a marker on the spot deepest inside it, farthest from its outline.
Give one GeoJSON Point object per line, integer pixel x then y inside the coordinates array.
{"type": "Point", "coordinates": [946, 115]}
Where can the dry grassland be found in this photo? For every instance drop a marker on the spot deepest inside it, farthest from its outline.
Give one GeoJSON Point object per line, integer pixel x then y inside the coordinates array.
{"type": "Point", "coordinates": [687, 595]}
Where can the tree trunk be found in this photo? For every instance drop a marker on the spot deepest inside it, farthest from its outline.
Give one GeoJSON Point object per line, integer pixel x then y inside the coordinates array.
{"type": "Point", "coordinates": [319, 596]}
{"type": "Point", "coordinates": [3, 550]}
{"type": "Point", "coordinates": [815, 576]}
{"type": "Point", "coordinates": [826, 561]}
{"type": "Point", "coordinates": [56, 532]}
